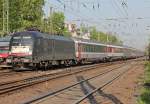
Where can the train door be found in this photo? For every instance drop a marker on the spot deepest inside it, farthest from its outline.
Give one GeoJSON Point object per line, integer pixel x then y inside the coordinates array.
{"type": "Point", "coordinates": [53, 49]}
{"type": "Point", "coordinates": [109, 50]}
{"type": "Point", "coordinates": [79, 51]}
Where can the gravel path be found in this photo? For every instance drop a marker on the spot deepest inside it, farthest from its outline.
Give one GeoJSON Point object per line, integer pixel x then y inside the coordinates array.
{"type": "Point", "coordinates": [27, 93]}
{"type": "Point", "coordinates": [125, 89]}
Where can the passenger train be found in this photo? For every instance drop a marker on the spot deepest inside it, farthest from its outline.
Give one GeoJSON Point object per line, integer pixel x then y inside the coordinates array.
{"type": "Point", "coordinates": [35, 49]}
{"type": "Point", "coordinates": [4, 49]}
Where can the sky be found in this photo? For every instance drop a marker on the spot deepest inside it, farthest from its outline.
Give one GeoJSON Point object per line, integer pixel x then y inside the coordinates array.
{"type": "Point", "coordinates": [129, 20]}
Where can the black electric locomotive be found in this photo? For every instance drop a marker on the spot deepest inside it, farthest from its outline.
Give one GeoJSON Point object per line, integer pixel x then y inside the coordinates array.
{"type": "Point", "coordinates": [35, 49]}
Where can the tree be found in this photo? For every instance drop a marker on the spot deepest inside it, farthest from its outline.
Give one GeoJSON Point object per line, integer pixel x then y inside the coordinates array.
{"type": "Point", "coordinates": [23, 14]}
{"type": "Point", "coordinates": [32, 13]}
{"type": "Point", "coordinates": [103, 37]}
{"type": "Point", "coordinates": [1, 15]}
{"type": "Point", "coordinates": [15, 12]}
{"type": "Point", "coordinates": [66, 33]}
{"type": "Point", "coordinates": [93, 33]}
{"type": "Point", "coordinates": [56, 23]}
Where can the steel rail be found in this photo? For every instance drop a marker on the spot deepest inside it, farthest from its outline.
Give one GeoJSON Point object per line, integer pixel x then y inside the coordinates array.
{"type": "Point", "coordinates": [104, 85]}
{"type": "Point", "coordinates": [16, 85]}
{"type": "Point", "coordinates": [10, 73]}
{"type": "Point", "coordinates": [68, 87]}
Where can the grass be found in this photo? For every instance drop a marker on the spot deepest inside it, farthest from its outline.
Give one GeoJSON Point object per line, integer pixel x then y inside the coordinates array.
{"type": "Point", "coordinates": [145, 92]}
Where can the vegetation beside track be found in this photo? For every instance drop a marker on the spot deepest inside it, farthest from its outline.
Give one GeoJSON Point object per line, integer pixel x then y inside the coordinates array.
{"type": "Point", "coordinates": [145, 92]}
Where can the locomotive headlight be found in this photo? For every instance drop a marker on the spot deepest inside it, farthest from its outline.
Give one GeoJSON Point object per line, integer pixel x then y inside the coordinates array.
{"type": "Point", "coordinates": [30, 48]}
{"type": "Point", "coordinates": [30, 52]}
{"type": "Point", "coordinates": [26, 60]}
{"type": "Point", "coordinates": [8, 60]}
{"type": "Point", "coordinates": [9, 53]}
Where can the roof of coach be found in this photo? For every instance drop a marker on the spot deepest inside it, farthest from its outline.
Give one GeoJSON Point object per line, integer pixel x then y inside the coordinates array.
{"type": "Point", "coordinates": [95, 42]}
{"type": "Point", "coordinates": [88, 41]}
{"type": "Point", "coordinates": [115, 46]}
{"type": "Point", "coordinates": [131, 48]}
{"type": "Point", "coordinates": [5, 39]}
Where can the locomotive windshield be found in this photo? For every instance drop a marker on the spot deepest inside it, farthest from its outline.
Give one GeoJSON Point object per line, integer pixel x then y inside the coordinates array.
{"type": "Point", "coordinates": [22, 41]}
{"type": "Point", "coordinates": [21, 44]}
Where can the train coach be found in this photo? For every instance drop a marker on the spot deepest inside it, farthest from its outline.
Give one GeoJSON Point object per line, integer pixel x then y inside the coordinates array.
{"type": "Point", "coordinates": [87, 50]}
{"type": "Point", "coordinates": [4, 49]}
{"type": "Point", "coordinates": [36, 49]}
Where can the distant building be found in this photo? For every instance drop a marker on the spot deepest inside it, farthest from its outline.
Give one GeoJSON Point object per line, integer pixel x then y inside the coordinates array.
{"type": "Point", "coordinates": [77, 32]}
{"type": "Point", "coordinates": [72, 29]}
{"type": "Point", "coordinates": [86, 35]}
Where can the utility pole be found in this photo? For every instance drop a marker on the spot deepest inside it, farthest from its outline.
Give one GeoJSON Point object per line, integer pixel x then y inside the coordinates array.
{"type": "Point", "coordinates": [99, 36]}
{"type": "Point", "coordinates": [149, 52]}
{"type": "Point", "coordinates": [7, 11]}
{"type": "Point", "coordinates": [6, 16]}
{"type": "Point", "coordinates": [3, 15]}
{"type": "Point", "coordinates": [51, 24]}
{"type": "Point", "coordinates": [108, 37]}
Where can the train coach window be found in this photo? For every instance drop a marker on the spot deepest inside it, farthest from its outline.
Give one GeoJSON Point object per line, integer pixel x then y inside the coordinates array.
{"type": "Point", "coordinates": [16, 37]}
{"type": "Point", "coordinates": [90, 48]}
{"type": "Point", "coordinates": [97, 48]}
{"type": "Point", "coordinates": [26, 37]}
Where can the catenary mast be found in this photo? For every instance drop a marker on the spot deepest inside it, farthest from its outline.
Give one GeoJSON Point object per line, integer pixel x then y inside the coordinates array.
{"type": "Point", "coordinates": [6, 16]}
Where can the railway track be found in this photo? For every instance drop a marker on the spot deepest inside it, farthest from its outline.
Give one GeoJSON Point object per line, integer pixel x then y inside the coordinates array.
{"type": "Point", "coordinates": [9, 73]}
{"type": "Point", "coordinates": [4, 67]}
{"type": "Point", "coordinates": [11, 86]}
{"type": "Point", "coordinates": [82, 91]}
{"type": "Point", "coordinates": [3, 73]}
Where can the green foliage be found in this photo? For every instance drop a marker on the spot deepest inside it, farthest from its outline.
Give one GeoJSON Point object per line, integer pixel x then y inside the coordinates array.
{"type": "Point", "coordinates": [103, 37]}
{"type": "Point", "coordinates": [29, 13]}
{"type": "Point", "coordinates": [14, 15]}
{"type": "Point", "coordinates": [147, 73]}
{"type": "Point", "coordinates": [54, 24]}
{"type": "Point", "coordinates": [66, 33]}
{"type": "Point", "coordinates": [145, 93]}
{"type": "Point", "coordinates": [23, 14]}
{"type": "Point", "coordinates": [145, 96]}
{"type": "Point", "coordinates": [94, 34]}
{"type": "Point", "coordinates": [56, 21]}
{"type": "Point", "coordinates": [32, 12]}
{"type": "Point", "coordinates": [1, 15]}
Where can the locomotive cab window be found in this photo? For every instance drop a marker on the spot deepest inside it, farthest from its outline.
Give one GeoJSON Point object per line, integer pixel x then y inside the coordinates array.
{"type": "Point", "coordinates": [26, 40]}
{"type": "Point", "coordinates": [21, 40]}
{"type": "Point", "coordinates": [16, 40]}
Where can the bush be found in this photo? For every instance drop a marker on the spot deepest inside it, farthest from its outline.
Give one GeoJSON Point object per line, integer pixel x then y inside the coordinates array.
{"type": "Point", "coordinates": [145, 93]}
